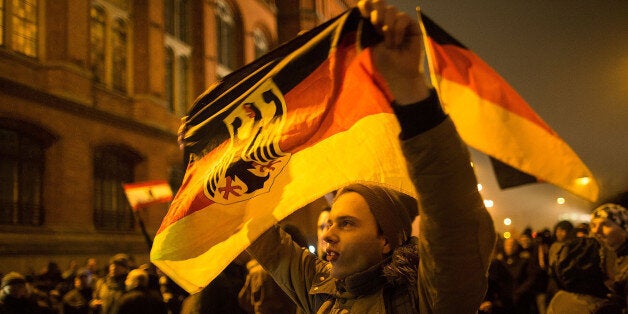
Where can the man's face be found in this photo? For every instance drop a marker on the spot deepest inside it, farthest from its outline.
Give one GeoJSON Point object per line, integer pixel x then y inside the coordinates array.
{"type": "Point", "coordinates": [561, 234]}
{"type": "Point", "coordinates": [354, 244]}
{"type": "Point", "coordinates": [609, 232]}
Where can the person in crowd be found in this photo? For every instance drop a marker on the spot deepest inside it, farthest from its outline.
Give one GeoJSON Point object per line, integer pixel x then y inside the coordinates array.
{"type": "Point", "coordinates": [110, 288]}
{"type": "Point", "coordinates": [609, 223]}
{"type": "Point", "coordinates": [260, 293]}
{"type": "Point", "coordinates": [76, 301]}
{"type": "Point", "coordinates": [581, 272]}
{"type": "Point", "coordinates": [563, 232]}
{"type": "Point", "coordinates": [581, 230]}
{"type": "Point", "coordinates": [172, 294]}
{"type": "Point", "coordinates": [49, 278]}
{"type": "Point", "coordinates": [372, 260]}
{"type": "Point", "coordinates": [499, 296]}
{"type": "Point", "coordinates": [138, 299]}
{"type": "Point", "coordinates": [321, 227]}
{"type": "Point", "coordinates": [220, 295]}
{"type": "Point", "coordinates": [91, 264]}
{"type": "Point", "coordinates": [524, 272]}
{"type": "Point", "coordinates": [543, 242]}
{"type": "Point", "coordinates": [526, 246]}
{"type": "Point", "coordinates": [14, 295]}
{"type": "Point", "coordinates": [529, 249]}
{"type": "Point", "coordinates": [69, 274]}
{"type": "Point", "coordinates": [153, 279]}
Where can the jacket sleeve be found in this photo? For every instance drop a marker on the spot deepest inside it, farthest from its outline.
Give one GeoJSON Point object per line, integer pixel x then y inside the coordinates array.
{"type": "Point", "coordinates": [293, 268]}
{"type": "Point", "coordinates": [456, 233]}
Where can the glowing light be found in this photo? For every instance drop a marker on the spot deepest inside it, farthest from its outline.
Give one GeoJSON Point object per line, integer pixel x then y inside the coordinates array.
{"type": "Point", "coordinates": [560, 201]}
{"type": "Point", "coordinates": [507, 221]}
{"type": "Point", "coordinates": [583, 180]}
{"type": "Point", "coordinates": [479, 186]}
{"type": "Point", "coordinates": [488, 203]}
{"type": "Point", "coordinates": [312, 249]}
{"type": "Point", "coordinates": [471, 162]}
{"type": "Point", "coordinates": [507, 235]}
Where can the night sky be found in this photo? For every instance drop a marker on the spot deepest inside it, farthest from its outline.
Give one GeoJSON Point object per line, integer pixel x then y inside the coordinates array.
{"type": "Point", "coordinates": [569, 61]}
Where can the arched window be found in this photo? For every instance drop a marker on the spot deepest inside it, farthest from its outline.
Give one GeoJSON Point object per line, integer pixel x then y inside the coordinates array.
{"type": "Point", "coordinates": [22, 161]}
{"type": "Point", "coordinates": [113, 166]}
{"type": "Point", "coordinates": [119, 55]}
{"type": "Point", "coordinates": [19, 26]}
{"type": "Point", "coordinates": [227, 39]}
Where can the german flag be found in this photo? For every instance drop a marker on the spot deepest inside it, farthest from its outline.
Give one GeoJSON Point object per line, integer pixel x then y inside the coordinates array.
{"type": "Point", "coordinates": [283, 131]}
{"type": "Point", "coordinates": [494, 119]}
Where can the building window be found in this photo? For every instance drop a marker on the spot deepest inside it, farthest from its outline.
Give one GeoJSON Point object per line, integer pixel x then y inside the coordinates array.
{"type": "Point", "coordinates": [2, 27]}
{"type": "Point", "coordinates": [227, 35]}
{"type": "Point", "coordinates": [183, 76]}
{"type": "Point", "coordinates": [170, 78]}
{"type": "Point", "coordinates": [19, 26]}
{"type": "Point", "coordinates": [178, 52]}
{"type": "Point", "coordinates": [177, 19]}
{"type": "Point", "coordinates": [22, 160]}
{"type": "Point", "coordinates": [109, 43]}
{"type": "Point", "coordinates": [113, 166]}
{"type": "Point", "coordinates": [120, 44]}
{"type": "Point", "coordinates": [261, 42]}
{"type": "Point", "coordinates": [97, 40]}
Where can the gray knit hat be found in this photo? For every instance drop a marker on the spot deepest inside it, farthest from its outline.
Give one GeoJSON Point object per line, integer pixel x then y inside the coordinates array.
{"type": "Point", "coordinates": [616, 213]}
{"type": "Point", "coordinates": [394, 211]}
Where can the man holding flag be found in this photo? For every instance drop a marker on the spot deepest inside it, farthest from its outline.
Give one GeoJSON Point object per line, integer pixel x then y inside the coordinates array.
{"type": "Point", "coordinates": [373, 264]}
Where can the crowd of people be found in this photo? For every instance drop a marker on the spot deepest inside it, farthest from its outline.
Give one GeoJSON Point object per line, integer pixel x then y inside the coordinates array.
{"type": "Point", "coordinates": [120, 287]}
{"type": "Point", "coordinates": [571, 269]}
{"type": "Point", "coordinates": [562, 270]}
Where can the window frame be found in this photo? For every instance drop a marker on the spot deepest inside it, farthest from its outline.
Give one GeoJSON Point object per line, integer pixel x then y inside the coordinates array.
{"type": "Point", "coordinates": [114, 64]}
{"type": "Point", "coordinates": [23, 162]}
{"type": "Point", "coordinates": [29, 32]}
{"type": "Point", "coordinates": [112, 212]}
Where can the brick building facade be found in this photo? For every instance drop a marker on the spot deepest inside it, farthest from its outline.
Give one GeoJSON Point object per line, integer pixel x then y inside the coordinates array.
{"type": "Point", "coordinates": [91, 95]}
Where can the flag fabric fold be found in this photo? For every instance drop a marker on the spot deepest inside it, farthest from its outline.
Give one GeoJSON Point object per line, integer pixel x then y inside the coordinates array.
{"type": "Point", "coordinates": [494, 119]}
{"type": "Point", "coordinates": [274, 136]}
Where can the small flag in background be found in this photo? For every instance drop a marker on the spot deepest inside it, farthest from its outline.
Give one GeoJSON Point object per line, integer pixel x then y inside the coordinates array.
{"type": "Point", "coordinates": [142, 194]}
{"type": "Point", "coordinates": [494, 119]}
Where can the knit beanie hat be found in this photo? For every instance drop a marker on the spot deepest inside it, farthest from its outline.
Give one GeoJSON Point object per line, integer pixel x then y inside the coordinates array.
{"type": "Point", "coordinates": [616, 213]}
{"type": "Point", "coordinates": [12, 278]}
{"type": "Point", "coordinates": [394, 211]}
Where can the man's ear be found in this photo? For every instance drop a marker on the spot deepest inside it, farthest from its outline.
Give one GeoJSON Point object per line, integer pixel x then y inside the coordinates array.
{"type": "Point", "coordinates": [386, 248]}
